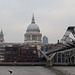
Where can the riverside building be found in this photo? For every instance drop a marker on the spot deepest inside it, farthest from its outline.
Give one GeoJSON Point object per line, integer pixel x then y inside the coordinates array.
{"type": "Point", "coordinates": [45, 40]}
{"type": "Point", "coordinates": [64, 58]}
{"type": "Point", "coordinates": [17, 53]}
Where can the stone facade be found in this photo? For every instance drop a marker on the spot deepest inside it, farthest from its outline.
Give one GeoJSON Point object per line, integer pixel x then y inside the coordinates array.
{"type": "Point", "coordinates": [1, 37]}
{"type": "Point", "coordinates": [33, 37]}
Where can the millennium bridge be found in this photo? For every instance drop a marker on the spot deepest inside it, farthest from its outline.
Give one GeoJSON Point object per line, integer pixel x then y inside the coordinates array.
{"type": "Point", "coordinates": [68, 45]}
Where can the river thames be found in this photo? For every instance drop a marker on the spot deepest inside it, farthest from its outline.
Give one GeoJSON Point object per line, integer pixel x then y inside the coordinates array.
{"type": "Point", "coordinates": [37, 70]}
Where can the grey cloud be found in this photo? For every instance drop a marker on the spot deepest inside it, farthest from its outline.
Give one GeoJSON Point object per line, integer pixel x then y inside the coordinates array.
{"type": "Point", "coordinates": [15, 16]}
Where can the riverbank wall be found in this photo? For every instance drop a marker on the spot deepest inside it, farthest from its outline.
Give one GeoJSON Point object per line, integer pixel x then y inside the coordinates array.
{"type": "Point", "coordinates": [22, 64]}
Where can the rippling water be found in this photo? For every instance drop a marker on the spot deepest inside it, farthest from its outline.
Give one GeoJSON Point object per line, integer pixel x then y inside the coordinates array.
{"type": "Point", "coordinates": [30, 70]}
{"type": "Point", "coordinates": [26, 70]}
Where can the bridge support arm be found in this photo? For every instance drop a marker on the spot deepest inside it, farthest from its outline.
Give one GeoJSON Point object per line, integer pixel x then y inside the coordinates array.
{"type": "Point", "coordinates": [49, 63]}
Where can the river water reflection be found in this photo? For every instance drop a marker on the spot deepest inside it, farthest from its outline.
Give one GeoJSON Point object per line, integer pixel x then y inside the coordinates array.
{"type": "Point", "coordinates": [27, 70]}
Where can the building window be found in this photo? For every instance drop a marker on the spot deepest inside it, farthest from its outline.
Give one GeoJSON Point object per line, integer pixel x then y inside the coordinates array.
{"type": "Point", "coordinates": [63, 57]}
{"type": "Point", "coordinates": [59, 57]}
{"type": "Point", "coordinates": [71, 53]}
{"type": "Point", "coordinates": [34, 37]}
{"type": "Point", "coordinates": [72, 59]}
{"type": "Point", "coordinates": [39, 38]}
{"type": "Point", "coordinates": [55, 58]}
{"type": "Point", "coordinates": [67, 54]}
{"type": "Point", "coordinates": [28, 37]}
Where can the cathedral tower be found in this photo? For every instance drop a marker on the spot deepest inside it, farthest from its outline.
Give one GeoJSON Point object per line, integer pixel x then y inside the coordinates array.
{"type": "Point", "coordinates": [1, 37]}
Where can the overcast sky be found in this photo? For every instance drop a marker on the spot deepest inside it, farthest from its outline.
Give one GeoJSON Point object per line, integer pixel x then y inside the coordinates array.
{"type": "Point", "coordinates": [52, 16]}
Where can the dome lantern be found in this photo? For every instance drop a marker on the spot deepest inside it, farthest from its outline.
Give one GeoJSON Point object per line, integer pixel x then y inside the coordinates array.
{"type": "Point", "coordinates": [33, 26]}
{"type": "Point", "coordinates": [33, 20]}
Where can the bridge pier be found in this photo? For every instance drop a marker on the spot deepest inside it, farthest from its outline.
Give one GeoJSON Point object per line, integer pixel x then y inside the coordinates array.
{"type": "Point", "coordinates": [49, 63]}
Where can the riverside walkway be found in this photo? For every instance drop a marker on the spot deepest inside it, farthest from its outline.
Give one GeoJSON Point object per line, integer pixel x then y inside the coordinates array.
{"type": "Point", "coordinates": [22, 64]}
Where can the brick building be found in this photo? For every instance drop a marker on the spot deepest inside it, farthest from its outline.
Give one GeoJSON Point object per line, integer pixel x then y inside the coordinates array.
{"type": "Point", "coordinates": [21, 54]}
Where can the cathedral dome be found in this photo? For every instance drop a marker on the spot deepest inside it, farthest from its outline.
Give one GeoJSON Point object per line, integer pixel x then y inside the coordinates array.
{"type": "Point", "coordinates": [33, 26]}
